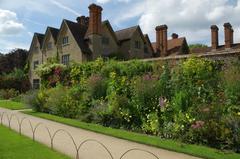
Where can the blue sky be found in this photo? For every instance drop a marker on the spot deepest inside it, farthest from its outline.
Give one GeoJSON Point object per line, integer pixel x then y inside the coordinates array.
{"type": "Point", "coordinates": [19, 19]}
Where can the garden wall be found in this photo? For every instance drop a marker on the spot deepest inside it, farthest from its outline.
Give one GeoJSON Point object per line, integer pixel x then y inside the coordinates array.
{"type": "Point", "coordinates": [226, 56]}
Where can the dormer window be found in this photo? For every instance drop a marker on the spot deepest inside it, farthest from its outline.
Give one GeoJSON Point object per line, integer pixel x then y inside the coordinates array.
{"type": "Point", "coordinates": [137, 45]}
{"type": "Point", "coordinates": [65, 40]}
{"type": "Point", "coordinates": [49, 45]}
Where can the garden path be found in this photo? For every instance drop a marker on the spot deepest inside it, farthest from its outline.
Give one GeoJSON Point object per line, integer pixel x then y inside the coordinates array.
{"type": "Point", "coordinates": [90, 150]}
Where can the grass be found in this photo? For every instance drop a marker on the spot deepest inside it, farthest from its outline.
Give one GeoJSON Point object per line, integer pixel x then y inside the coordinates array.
{"type": "Point", "coordinates": [14, 146]}
{"type": "Point", "coordinates": [194, 150]}
{"type": "Point", "coordinates": [12, 105]}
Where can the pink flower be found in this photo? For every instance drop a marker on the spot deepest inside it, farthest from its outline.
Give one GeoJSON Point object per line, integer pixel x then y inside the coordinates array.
{"type": "Point", "coordinates": [57, 71]}
{"type": "Point", "coordinates": [147, 77]}
{"type": "Point", "coordinates": [198, 124]}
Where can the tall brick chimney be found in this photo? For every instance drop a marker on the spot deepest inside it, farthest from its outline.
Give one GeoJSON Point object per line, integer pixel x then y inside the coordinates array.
{"type": "Point", "coordinates": [83, 20]}
{"type": "Point", "coordinates": [95, 19]}
{"type": "Point", "coordinates": [228, 33]}
{"type": "Point", "coordinates": [174, 36]}
{"type": "Point", "coordinates": [214, 36]}
{"type": "Point", "coordinates": [158, 37]}
{"type": "Point", "coordinates": [161, 39]}
{"type": "Point", "coordinates": [232, 33]}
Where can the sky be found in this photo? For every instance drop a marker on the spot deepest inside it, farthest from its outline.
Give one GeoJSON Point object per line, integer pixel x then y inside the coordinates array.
{"type": "Point", "coordinates": [20, 19]}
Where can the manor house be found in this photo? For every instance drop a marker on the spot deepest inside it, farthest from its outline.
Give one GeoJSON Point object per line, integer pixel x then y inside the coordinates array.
{"type": "Point", "coordinates": [89, 38]}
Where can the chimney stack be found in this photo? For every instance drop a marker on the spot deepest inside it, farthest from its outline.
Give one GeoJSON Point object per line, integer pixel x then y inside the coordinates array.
{"type": "Point", "coordinates": [214, 35]}
{"type": "Point", "coordinates": [95, 20]}
{"type": "Point", "coordinates": [174, 36]}
{"type": "Point", "coordinates": [232, 41]}
{"type": "Point", "coordinates": [228, 33]}
{"type": "Point", "coordinates": [161, 39]}
{"type": "Point", "coordinates": [82, 20]}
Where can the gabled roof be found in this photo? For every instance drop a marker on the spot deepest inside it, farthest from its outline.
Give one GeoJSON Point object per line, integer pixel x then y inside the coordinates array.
{"type": "Point", "coordinates": [108, 25]}
{"type": "Point", "coordinates": [40, 38]}
{"type": "Point", "coordinates": [54, 32]}
{"type": "Point", "coordinates": [126, 34]}
{"type": "Point", "coordinates": [172, 44]}
{"type": "Point", "coordinates": [78, 31]}
{"type": "Point", "coordinates": [148, 41]}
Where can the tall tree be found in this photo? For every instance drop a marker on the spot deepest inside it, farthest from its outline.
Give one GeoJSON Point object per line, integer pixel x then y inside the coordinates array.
{"type": "Point", "coordinates": [15, 59]}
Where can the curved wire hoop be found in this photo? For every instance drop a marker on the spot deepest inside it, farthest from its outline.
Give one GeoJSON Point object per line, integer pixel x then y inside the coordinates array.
{"type": "Point", "coordinates": [137, 149]}
{"type": "Point", "coordinates": [57, 132]}
{"type": "Point", "coordinates": [96, 141]}
{"type": "Point", "coordinates": [52, 136]}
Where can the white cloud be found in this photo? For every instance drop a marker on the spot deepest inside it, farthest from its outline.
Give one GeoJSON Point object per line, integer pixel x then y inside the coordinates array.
{"type": "Point", "coordinates": [8, 45]}
{"type": "Point", "coordinates": [64, 7]}
{"type": "Point", "coordinates": [188, 18]}
{"type": "Point", "coordinates": [107, 1]}
{"type": "Point", "coordinates": [9, 24]}
{"type": "Point", "coordinates": [103, 1]}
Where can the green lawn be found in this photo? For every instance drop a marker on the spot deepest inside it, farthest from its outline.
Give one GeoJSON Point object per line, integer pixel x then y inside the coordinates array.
{"type": "Point", "coordinates": [195, 150]}
{"type": "Point", "coordinates": [14, 146]}
{"type": "Point", "coordinates": [12, 105]}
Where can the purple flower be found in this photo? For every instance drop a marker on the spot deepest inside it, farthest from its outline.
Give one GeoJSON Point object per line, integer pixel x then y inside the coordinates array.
{"type": "Point", "coordinates": [162, 102]}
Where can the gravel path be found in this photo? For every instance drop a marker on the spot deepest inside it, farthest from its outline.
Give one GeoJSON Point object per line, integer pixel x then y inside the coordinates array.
{"type": "Point", "coordinates": [89, 150]}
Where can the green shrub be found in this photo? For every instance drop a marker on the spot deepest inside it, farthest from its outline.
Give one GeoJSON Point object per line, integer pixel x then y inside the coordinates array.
{"type": "Point", "coordinates": [17, 80]}
{"type": "Point", "coordinates": [151, 124]}
{"type": "Point", "coordinates": [231, 78]}
{"type": "Point", "coordinates": [32, 100]}
{"type": "Point", "coordinates": [8, 93]}
{"type": "Point", "coordinates": [190, 102]}
{"type": "Point", "coordinates": [97, 87]}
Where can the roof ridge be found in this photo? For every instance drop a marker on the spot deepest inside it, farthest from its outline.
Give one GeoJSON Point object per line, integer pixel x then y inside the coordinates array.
{"type": "Point", "coordinates": [69, 21]}
{"type": "Point", "coordinates": [127, 28]}
{"type": "Point", "coordinates": [52, 28]}
{"type": "Point", "coordinates": [39, 33]}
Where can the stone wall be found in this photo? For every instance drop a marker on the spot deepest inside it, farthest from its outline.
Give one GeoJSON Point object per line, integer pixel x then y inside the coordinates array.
{"type": "Point", "coordinates": [226, 56]}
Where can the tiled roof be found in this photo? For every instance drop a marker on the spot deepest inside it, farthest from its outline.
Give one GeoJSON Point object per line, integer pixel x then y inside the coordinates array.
{"type": "Point", "coordinates": [172, 44]}
{"type": "Point", "coordinates": [148, 41]}
{"type": "Point", "coordinates": [40, 38]}
{"type": "Point", "coordinates": [78, 31]}
{"type": "Point", "coordinates": [126, 34]}
{"type": "Point", "coordinates": [54, 32]}
{"type": "Point", "coordinates": [107, 23]}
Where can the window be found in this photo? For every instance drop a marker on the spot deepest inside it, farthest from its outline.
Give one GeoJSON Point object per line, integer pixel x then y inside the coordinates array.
{"type": "Point", "coordinates": [137, 44]}
{"type": "Point", "coordinates": [36, 83]}
{"type": "Point", "coordinates": [35, 64]}
{"type": "Point", "coordinates": [105, 40]}
{"type": "Point", "coordinates": [49, 45]}
{"type": "Point", "coordinates": [36, 49]}
{"type": "Point", "coordinates": [65, 40]}
{"type": "Point", "coordinates": [65, 59]}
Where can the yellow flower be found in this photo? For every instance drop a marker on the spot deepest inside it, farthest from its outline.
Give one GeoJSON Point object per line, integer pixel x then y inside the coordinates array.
{"type": "Point", "coordinates": [238, 113]}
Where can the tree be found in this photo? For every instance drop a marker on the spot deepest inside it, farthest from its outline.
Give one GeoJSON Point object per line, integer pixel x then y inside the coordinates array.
{"type": "Point", "coordinates": [15, 59]}
{"type": "Point", "coordinates": [193, 46]}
